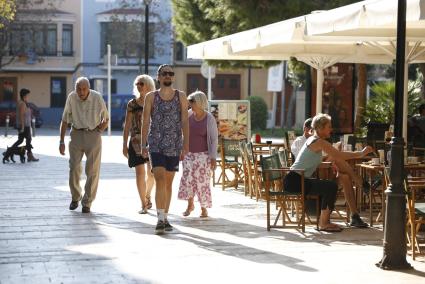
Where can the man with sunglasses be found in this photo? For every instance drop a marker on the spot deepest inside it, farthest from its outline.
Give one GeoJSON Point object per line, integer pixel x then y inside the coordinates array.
{"type": "Point", "coordinates": [165, 128]}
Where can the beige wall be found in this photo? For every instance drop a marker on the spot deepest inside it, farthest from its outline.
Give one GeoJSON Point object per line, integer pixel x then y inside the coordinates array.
{"type": "Point", "coordinates": [39, 85]}
{"type": "Point", "coordinates": [36, 77]}
{"type": "Point", "coordinates": [258, 81]}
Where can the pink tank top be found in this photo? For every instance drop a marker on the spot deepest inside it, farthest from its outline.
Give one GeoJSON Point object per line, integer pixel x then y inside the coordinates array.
{"type": "Point", "coordinates": [197, 135]}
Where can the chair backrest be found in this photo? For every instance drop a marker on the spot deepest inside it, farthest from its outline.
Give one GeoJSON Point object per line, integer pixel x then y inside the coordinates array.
{"type": "Point", "coordinates": [230, 147]}
{"type": "Point", "coordinates": [250, 151]}
{"type": "Point", "coordinates": [269, 163]}
{"type": "Point", "coordinates": [284, 157]}
{"type": "Point", "coordinates": [290, 138]}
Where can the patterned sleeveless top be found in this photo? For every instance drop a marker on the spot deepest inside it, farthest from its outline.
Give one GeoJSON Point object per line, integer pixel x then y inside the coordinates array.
{"type": "Point", "coordinates": [137, 112]}
{"type": "Point", "coordinates": [165, 133]}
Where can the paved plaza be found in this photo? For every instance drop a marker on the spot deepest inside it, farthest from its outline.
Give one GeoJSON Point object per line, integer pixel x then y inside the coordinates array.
{"type": "Point", "coordinates": [41, 241]}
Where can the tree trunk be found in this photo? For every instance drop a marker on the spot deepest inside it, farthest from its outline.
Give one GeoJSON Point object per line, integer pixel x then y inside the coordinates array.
{"type": "Point", "coordinates": [422, 69]}
{"type": "Point", "coordinates": [361, 94]}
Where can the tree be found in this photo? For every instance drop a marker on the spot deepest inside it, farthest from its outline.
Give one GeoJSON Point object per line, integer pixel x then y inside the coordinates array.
{"type": "Point", "coordinates": [200, 20]}
{"type": "Point", "coordinates": [14, 14]}
{"type": "Point", "coordinates": [130, 45]}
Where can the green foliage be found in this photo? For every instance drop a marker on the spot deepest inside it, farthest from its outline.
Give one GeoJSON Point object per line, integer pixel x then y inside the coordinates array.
{"type": "Point", "coordinates": [200, 20]}
{"type": "Point", "coordinates": [7, 13]}
{"type": "Point", "coordinates": [258, 112]}
{"type": "Point", "coordinates": [380, 107]}
{"type": "Point", "coordinates": [12, 12]}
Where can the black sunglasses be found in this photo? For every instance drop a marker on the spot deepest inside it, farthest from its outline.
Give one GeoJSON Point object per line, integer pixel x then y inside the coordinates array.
{"type": "Point", "coordinates": [192, 100]}
{"type": "Point", "coordinates": [140, 84]}
{"type": "Point", "coordinates": [169, 73]}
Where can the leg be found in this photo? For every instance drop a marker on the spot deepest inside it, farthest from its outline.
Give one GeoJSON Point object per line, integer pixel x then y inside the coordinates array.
{"type": "Point", "coordinates": [345, 168]}
{"type": "Point", "coordinates": [169, 176]}
{"type": "Point", "coordinates": [347, 185]}
{"type": "Point", "coordinates": [327, 191]}
{"type": "Point", "coordinates": [75, 155]}
{"type": "Point", "coordinates": [149, 182]}
{"type": "Point", "coordinates": [187, 183]}
{"type": "Point", "coordinates": [93, 151]}
{"type": "Point", "coordinates": [160, 193]}
{"type": "Point", "coordinates": [21, 137]}
{"type": "Point", "coordinates": [141, 185]}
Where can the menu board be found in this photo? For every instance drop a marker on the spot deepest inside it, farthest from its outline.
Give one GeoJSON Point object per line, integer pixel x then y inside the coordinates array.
{"type": "Point", "coordinates": [233, 118]}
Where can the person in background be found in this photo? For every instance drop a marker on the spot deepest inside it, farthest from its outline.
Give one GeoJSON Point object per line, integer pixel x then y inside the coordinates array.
{"type": "Point", "coordinates": [201, 159]}
{"type": "Point", "coordinates": [308, 159]}
{"type": "Point", "coordinates": [299, 142]}
{"type": "Point", "coordinates": [165, 129]}
{"type": "Point", "coordinates": [85, 110]}
{"type": "Point", "coordinates": [132, 150]}
{"type": "Point", "coordinates": [23, 122]}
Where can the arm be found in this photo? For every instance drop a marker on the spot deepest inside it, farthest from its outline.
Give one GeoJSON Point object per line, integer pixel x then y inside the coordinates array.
{"type": "Point", "coordinates": [185, 123]}
{"type": "Point", "coordinates": [22, 108]}
{"type": "Point", "coordinates": [105, 116]}
{"type": "Point", "coordinates": [127, 123]}
{"type": "Point", "coordinates": [333, 153]}
{"type": "Point", "coordinates": [212, 127]}
{"type": "Point", "coordinates": [146, 121]}
{"type": "Point", "coordinates": [63, 127]}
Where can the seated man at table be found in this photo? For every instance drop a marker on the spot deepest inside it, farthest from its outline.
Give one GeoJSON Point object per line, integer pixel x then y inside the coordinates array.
{"type": "Point", "coordinates": [299, 142]}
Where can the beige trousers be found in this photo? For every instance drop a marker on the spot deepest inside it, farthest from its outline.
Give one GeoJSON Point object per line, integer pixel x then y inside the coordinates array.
{"type": "Point", "coordinates": [87, 143]}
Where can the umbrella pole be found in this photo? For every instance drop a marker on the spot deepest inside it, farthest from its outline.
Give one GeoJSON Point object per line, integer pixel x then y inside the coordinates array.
{"type": "Point", "coordinates": [395, 214]}
{"type": "Point", "coordinates": [319, 90]}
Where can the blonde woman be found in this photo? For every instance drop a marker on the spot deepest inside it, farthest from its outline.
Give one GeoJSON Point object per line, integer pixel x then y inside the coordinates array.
{"type": "Point", "coordinates": [143, 84]}
{"type": "Point", "coordinates": [201, 159]}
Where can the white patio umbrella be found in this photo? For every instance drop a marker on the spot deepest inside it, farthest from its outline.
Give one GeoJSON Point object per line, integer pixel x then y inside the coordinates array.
{"type": "Point", "coordinates": [303, 39]}
{"type": "Point", "coordinates": [374, 22]}
{"type": "Point", "coordinates": [285, 39]}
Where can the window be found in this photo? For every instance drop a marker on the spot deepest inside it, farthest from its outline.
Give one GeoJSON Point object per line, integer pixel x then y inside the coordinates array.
{"type": "Point", "coordinates": [33, 39]}
{"type": "Point", "coordinates": [126, 44]}
{"type": "Point", "coordinates": [67, 40]}
{"type": "Point", "coordinates": [101, 85]}
{"type": "Point", "coordinates": [179, 51]}
{"type": "Point", "coordinates": [234, 83]}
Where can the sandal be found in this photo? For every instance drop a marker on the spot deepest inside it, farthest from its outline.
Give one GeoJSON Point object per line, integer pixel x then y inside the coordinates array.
{"type": "Point", "coordinates": [148, 203]}
{"type": "Point", "coordinates": [330, 229]}
{"type": "Point", "coordinates": [144, 210]}
{"type": "Point", "coordinates": [204, 213]}
{"type": "Point", "coordinates": [188, 211]}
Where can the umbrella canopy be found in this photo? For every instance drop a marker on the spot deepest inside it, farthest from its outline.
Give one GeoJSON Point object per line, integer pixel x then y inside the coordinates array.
{"type": "Point", "coordinates": [363, 32]}
{"type": "Point", "coordinates": [374, 22]}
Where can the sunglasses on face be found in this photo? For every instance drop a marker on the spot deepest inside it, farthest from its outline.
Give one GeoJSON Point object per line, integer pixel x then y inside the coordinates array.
{"type": "Point", "coordinates": [141, 84]}
{"type": "Point", "coordinates": [169, 73]}
{"type": "Point", "coordinates": [191, 100]}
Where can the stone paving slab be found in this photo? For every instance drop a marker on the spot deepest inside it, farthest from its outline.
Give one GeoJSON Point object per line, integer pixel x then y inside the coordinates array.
{"type": "Point", "coordinates": [41, 241]}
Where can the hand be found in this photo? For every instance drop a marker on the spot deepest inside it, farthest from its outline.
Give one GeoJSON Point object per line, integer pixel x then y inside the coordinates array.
{"type": "Point", "coordinates": [213, 164]}
{"type": "Point", "coordinates": [145, 152]}
{"type": "Point", "coordinates": [183, 153]}
{"type": "Point", "coordinates": [21, 130]}
{"type": "Point", "coordinates": [366, 150]}
{"type": "Point", "coordinates": [125, 151]}
{"type": "Point", "coordinates": [62, 149]}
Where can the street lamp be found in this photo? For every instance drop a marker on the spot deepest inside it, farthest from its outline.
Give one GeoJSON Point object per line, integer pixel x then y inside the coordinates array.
{"type": "Point", "coordinates": [147, 3]}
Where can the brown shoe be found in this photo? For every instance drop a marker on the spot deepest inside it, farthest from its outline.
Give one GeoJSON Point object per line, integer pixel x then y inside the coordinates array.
{"type": "Point", "coordinates": [85, 209]}
{"type": "Point", "coordinates": [31, 157]}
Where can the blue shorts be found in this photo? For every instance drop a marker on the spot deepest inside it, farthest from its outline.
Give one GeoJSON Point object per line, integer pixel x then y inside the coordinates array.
{"type": "Point", "coordinates": [170, 163]}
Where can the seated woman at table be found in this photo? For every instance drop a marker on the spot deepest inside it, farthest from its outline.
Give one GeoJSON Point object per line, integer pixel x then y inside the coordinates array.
{"type": "Point", "coordinates": [309, 159]}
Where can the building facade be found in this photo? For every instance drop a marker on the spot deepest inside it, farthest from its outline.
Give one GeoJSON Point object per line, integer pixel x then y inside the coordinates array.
{"type": "Point", "coordinates": [70, 40]}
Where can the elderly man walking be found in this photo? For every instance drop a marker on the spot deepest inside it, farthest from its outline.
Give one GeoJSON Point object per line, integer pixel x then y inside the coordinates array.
{"type": "Point", "coordinates": [85, 111]}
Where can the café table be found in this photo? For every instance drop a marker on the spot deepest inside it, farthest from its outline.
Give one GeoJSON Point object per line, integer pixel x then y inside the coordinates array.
{"type": "Point", "coordinates": [368, 170]}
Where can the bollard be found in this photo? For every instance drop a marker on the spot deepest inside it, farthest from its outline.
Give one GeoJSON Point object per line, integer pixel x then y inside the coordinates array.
{"type": "Point", "coordinates": [33, 126]}
{"type": "Point", "coordinates": [7, 125]}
